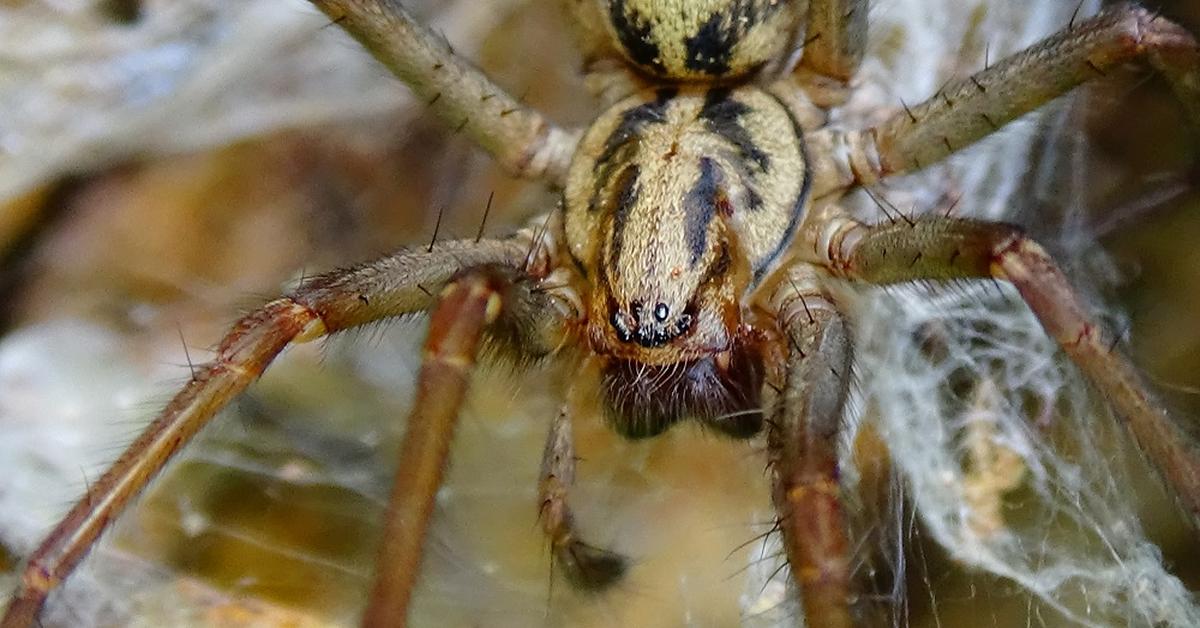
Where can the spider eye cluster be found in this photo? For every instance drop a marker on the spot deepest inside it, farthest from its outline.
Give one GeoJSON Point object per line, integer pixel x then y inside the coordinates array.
{"type": "Point", "coordinates": [701, 39]}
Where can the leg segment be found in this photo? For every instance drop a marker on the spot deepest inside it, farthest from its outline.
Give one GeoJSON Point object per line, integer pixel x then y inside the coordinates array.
{"type": "Point", "coordinates": [465, 307]}
{"type": "Point", "coordinates": [339, 300]}
{"type": "Point", "coordinates": [586, 566]}
{"type": "Point", "coordinates": [833, 49]}
{"type": "Point", "coordinates": [803, 442]}
{"type": "Point", "coordinates": [496, 297]}
{"type": "Point", "coordinates": [947, 248]}
{"type": "Point", "coordinates": [966, 111]}
{"type": "Point", "coordinates": [520, 138]}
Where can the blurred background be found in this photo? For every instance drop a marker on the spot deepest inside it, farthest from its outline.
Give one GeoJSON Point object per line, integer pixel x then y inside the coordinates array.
{"type": "Point", "coordinates": [167, 165]}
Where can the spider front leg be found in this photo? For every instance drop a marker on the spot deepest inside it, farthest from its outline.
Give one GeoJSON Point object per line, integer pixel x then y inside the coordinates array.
{"type": "Point", "coordinates": [586, 566]}
{"type": "Point", "coordinates": [946, 248]}
{"type": "Point", "coordinates": [521, 139]}
{"type": "Point", "coordinates": [518, 313]}
{"type": "Point", "coordinates": [802, 445]}
{"type": "Point", "coordinates": [339, 300]}
{"type": "Point", "coordinates": [965, 111]}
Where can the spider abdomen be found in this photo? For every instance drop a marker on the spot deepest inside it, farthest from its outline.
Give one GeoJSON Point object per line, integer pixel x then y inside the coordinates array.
{"type": "Point", "coordinates": [701, 40]}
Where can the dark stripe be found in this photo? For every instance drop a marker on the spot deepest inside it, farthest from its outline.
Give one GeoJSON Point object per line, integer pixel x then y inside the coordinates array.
{"type": "Point", "coordinates": [798, 205]}
{"type": "Point", "coordinates": [636, 36]}
{"type": "Point", "coordinates": [627, 133]}
{"type": "Point", "coordinates": [700, 206]}
{"type": "Point", "coordinates": [626, 196]}
{"type": "Point", "coordinates": [711, 48]}
{"type": "Point", "coordinates": [722, 116]}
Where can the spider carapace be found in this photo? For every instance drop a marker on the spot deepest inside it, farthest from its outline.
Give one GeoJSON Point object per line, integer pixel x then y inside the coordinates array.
{"type": "Point", "coordinates": [679, 204]}
{"type": "Point", "coordinates": [688, 264]}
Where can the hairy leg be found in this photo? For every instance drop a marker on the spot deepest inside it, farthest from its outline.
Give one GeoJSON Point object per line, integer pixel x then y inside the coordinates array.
{"type": "Point", "coordinates": [833, 48]}
{"type": "Point", "coordinates": [586, 566]}
{"type": "Point", "coordinates": [389, 287]}
{"type": "Point", "coordinates": [950, 248]}
{"type": "Point", "coordinates": [520, 138]}
{"type": "Point", "coordinates": [493, 298]}
{"type": "Point", "coordinates": [966, 111]}
{"type": "Point", "coordinates": [802, 445]}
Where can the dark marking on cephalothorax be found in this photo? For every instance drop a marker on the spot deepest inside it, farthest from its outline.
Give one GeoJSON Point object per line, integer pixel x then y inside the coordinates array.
{"type": "Point", "coordinates": [636, 35]}
{"type": "Point", "coordinates": [722, 115]}
{"type": "Point", "coordinates": [798, 205]}
{"type": "Point", "coordinates": [626, 135]}
{"type": "Point", "coordinates": [701, 205]}
{"type": "Point", "coordinates": [625, 194]}
{"type": "Point", "coordinates": [633, 121]}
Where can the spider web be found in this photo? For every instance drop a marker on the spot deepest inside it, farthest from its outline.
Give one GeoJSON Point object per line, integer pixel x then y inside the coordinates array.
{"type": "Point", "coordinates": [1006, 460]}
{"type": "Point", "coordinates": [1009, 463]}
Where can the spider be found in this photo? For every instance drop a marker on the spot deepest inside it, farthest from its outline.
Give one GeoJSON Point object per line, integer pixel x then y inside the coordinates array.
{"type": "Point", "coordinates": [688, 268]}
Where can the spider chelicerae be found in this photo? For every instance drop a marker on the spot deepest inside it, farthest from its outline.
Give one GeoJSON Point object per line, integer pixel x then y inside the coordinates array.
{"type": "Point", "coordinates": [688, 269]}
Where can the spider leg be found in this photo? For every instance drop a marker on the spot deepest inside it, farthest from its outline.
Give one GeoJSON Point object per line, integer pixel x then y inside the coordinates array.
{"type": "Point", "coordinates": [484, 298]}
{"type": "Point", "coordinates": [966, 111]}
{"type": "Point", "coordinates": [802, 445]}
{"type": "Point", "coordinates": [586, 566]}
{"type": "Point", "coordinates": [949, 248]}
{"type": "Point", "coordinates": [339, 300]}
{"type": "Point", "coordinates": [520, 139]}
{"type": "Point", "coordinates": [833, 48]}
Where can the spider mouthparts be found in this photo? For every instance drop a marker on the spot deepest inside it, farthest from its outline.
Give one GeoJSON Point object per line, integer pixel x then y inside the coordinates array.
{"type": "Point", "coordinates": [722, 390]}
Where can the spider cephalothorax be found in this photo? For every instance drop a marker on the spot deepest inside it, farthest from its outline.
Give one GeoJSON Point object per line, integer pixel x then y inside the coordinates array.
{"type": "Point", "coordinates": [690, 264]}
{"type": "Point", "coordinates": [678, 204]}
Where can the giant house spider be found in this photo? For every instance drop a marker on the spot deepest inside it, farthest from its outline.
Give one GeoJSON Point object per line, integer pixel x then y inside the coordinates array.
{"type": "Point", "coordinates": [697, 269]}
